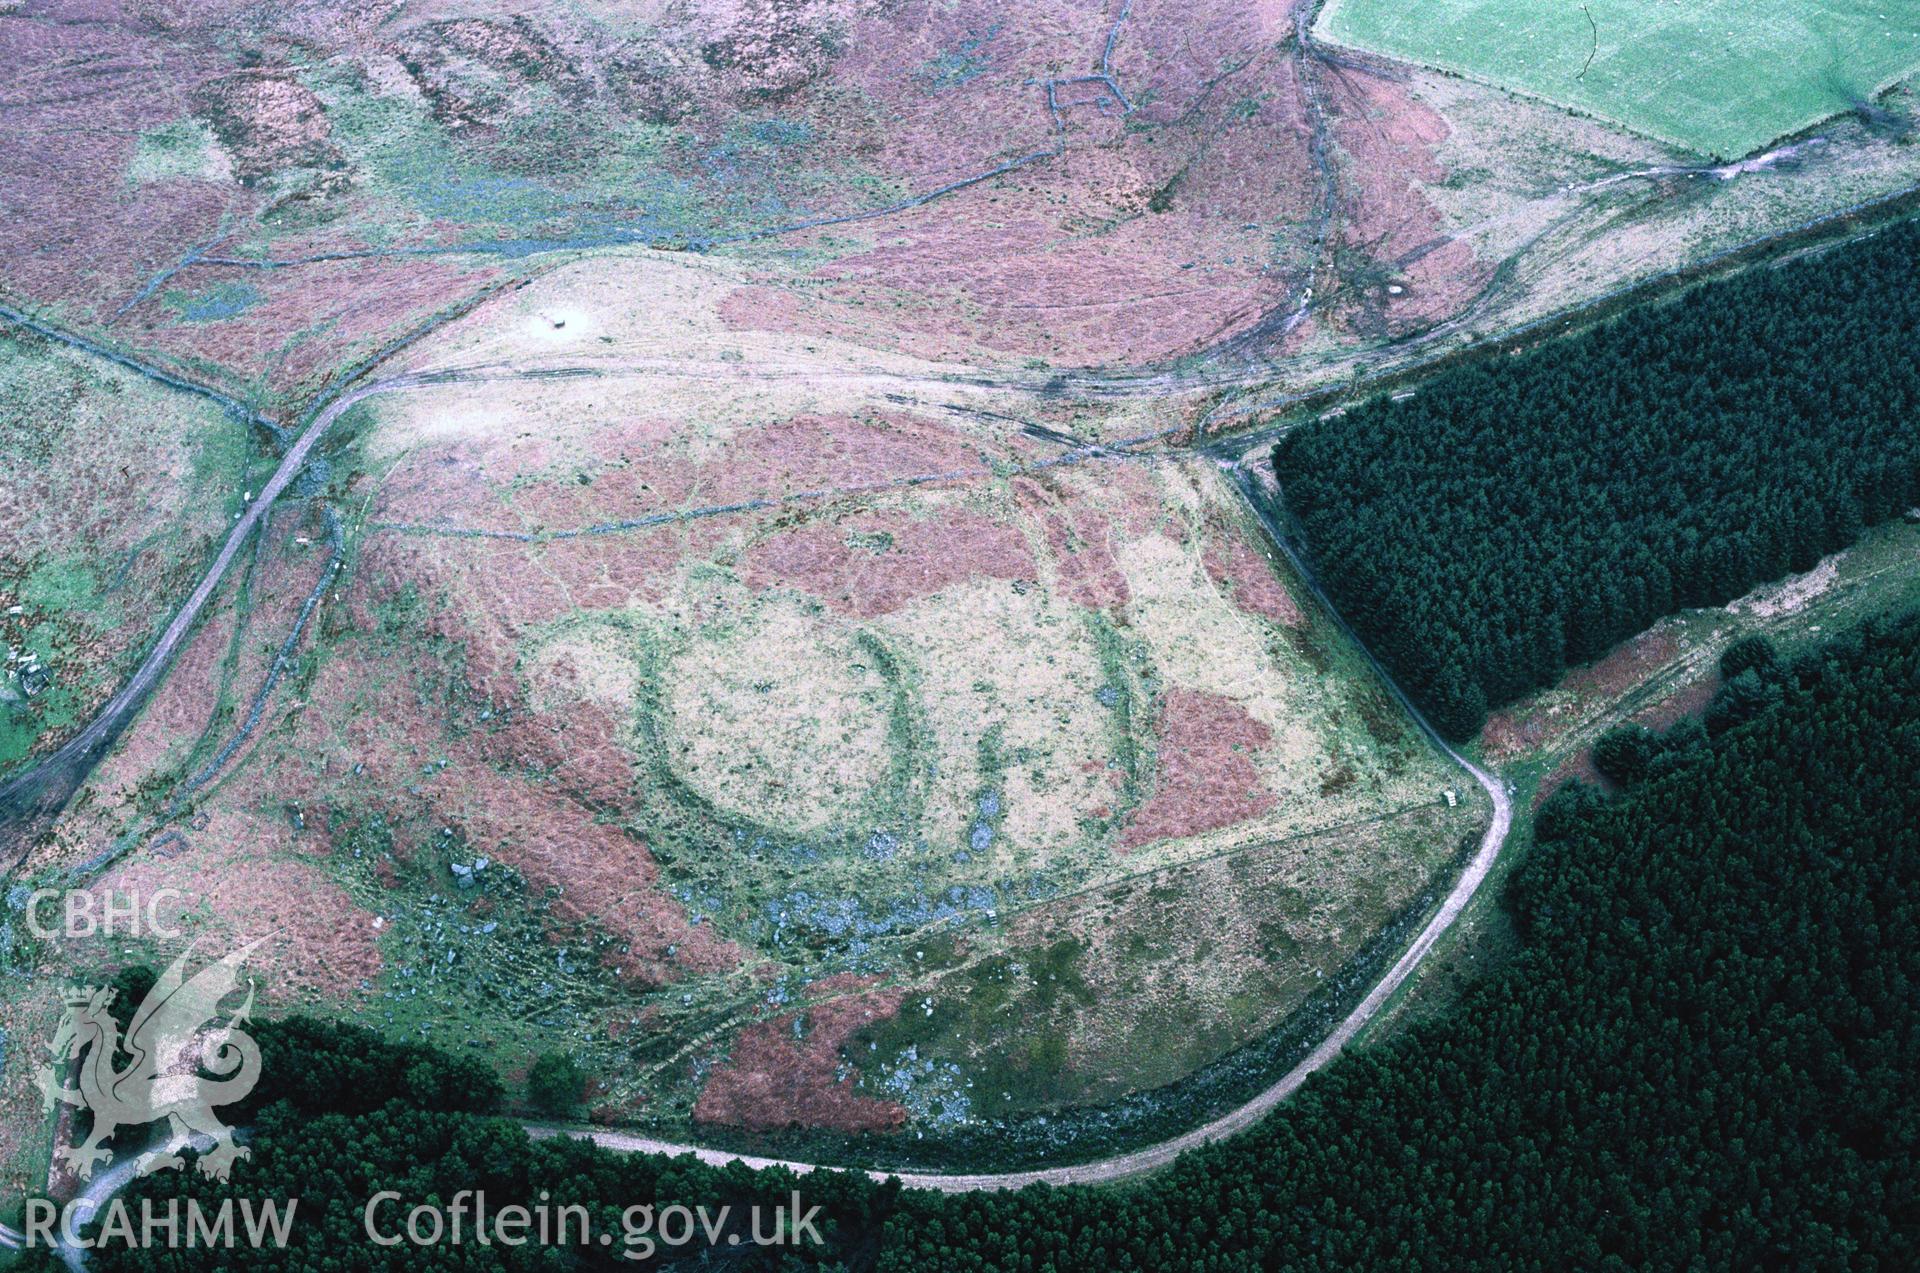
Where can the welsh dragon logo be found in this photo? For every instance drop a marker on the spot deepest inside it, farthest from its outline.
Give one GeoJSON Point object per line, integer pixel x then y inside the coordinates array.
{"type": "Point", "coordinates": [172, 1037]}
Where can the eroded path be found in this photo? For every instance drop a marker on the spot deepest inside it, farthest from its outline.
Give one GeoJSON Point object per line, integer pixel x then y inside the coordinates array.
{"type": "Point", "coordinates": [1234, 1121]}
{"type": "Point", "coordinates": [49, 785]}
{"type": "Point", "coordinates": [1120, 1166]}
{"type": "Point", "coordinates": [44, 789]}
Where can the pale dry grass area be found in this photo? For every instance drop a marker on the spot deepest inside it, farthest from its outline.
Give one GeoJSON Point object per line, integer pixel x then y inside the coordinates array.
{"type": "Point", "coordinates": [1186, 964]}
{"type": "Point", "coordinates": [645, 327]}
{"type": "Point", "coordinates": [1202, 640]}
{"type": "Point", "coordinates": [1791, 594]}
{"type": "Point", "coordinates": [758, 612]}
{"type": "Point", "coordinates": [1012, 676]}
{"type": "Point", "coordinates": [878, 673]}
{"type": "Point", "coordinates": [756, 666]}
{"type": "Point", "coordinates": [779, 715]}
{"type": "Point", "coordinates": [649, 323]}
{"type": "Point", "coordinates": [787, 702]}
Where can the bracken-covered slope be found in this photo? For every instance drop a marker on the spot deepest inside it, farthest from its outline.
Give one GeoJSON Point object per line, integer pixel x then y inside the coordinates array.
{"type": "Point", "coordinates": [750, 614]}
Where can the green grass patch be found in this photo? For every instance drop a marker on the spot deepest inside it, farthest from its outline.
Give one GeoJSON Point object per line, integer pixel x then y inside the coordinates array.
{"type": "Point", "coordinates": [120, 489]}
{"type": "Point", "coordinates": [1723, 77]}
{"type": "Point", "coordinates": [183, 149]}
{"type": "Point", "coordinates": [1012, 1012]}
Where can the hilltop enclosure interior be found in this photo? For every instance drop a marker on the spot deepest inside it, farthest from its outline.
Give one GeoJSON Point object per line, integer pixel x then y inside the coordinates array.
{"type": "Point", "coordinates": [735, 550]}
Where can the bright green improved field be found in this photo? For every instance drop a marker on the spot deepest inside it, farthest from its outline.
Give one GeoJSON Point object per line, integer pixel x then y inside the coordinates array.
{"type": "Point", "coordinates": [1724, 77]}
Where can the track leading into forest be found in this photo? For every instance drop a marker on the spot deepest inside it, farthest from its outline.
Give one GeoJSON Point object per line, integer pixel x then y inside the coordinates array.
{"type": "Point", "coordinates": [37, 794]}
{"type": "Point", "coordinates": [45, 789]}
{"type": "Point", "coordinates": [1120, 1166]}
{"type": "Point", "coordinates": [42, 791]}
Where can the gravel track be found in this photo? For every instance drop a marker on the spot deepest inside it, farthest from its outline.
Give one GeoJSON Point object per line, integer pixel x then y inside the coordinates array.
{"type": "Point", "coordinates": [51, 783]}
{"type": "Point", "coordinates": [1121, 1166]}
{"type": "Point", "coordinates": [1159, 1155]}
{"type": "Point", "coordinates": [43, 790]}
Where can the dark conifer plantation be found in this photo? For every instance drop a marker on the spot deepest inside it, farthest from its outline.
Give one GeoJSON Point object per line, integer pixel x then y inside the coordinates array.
{"type": "Point", "coordinates": [1702, 1057]}
{"type": "Point", "coordinates": [1518, 518]}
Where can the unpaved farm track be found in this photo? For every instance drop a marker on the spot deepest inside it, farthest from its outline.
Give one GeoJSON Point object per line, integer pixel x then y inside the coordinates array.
{"type": "Point", "coordinates": [44, 789]}
{"type": "Point", "coordinates": [1244, 1116]}
{"type": "Point", "coordinates": [1236, 1120]}
{"type": "Point", "coordinates": [1225, 368]}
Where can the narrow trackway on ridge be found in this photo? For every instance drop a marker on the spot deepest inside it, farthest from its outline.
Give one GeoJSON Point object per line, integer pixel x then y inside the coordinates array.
{"type": "Point", "coordinates": [1238, 1119]}
{"type": "Point", "coordinates": [1158, 1155]}
{"type": "Point", "coordinates": [46, 787]}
